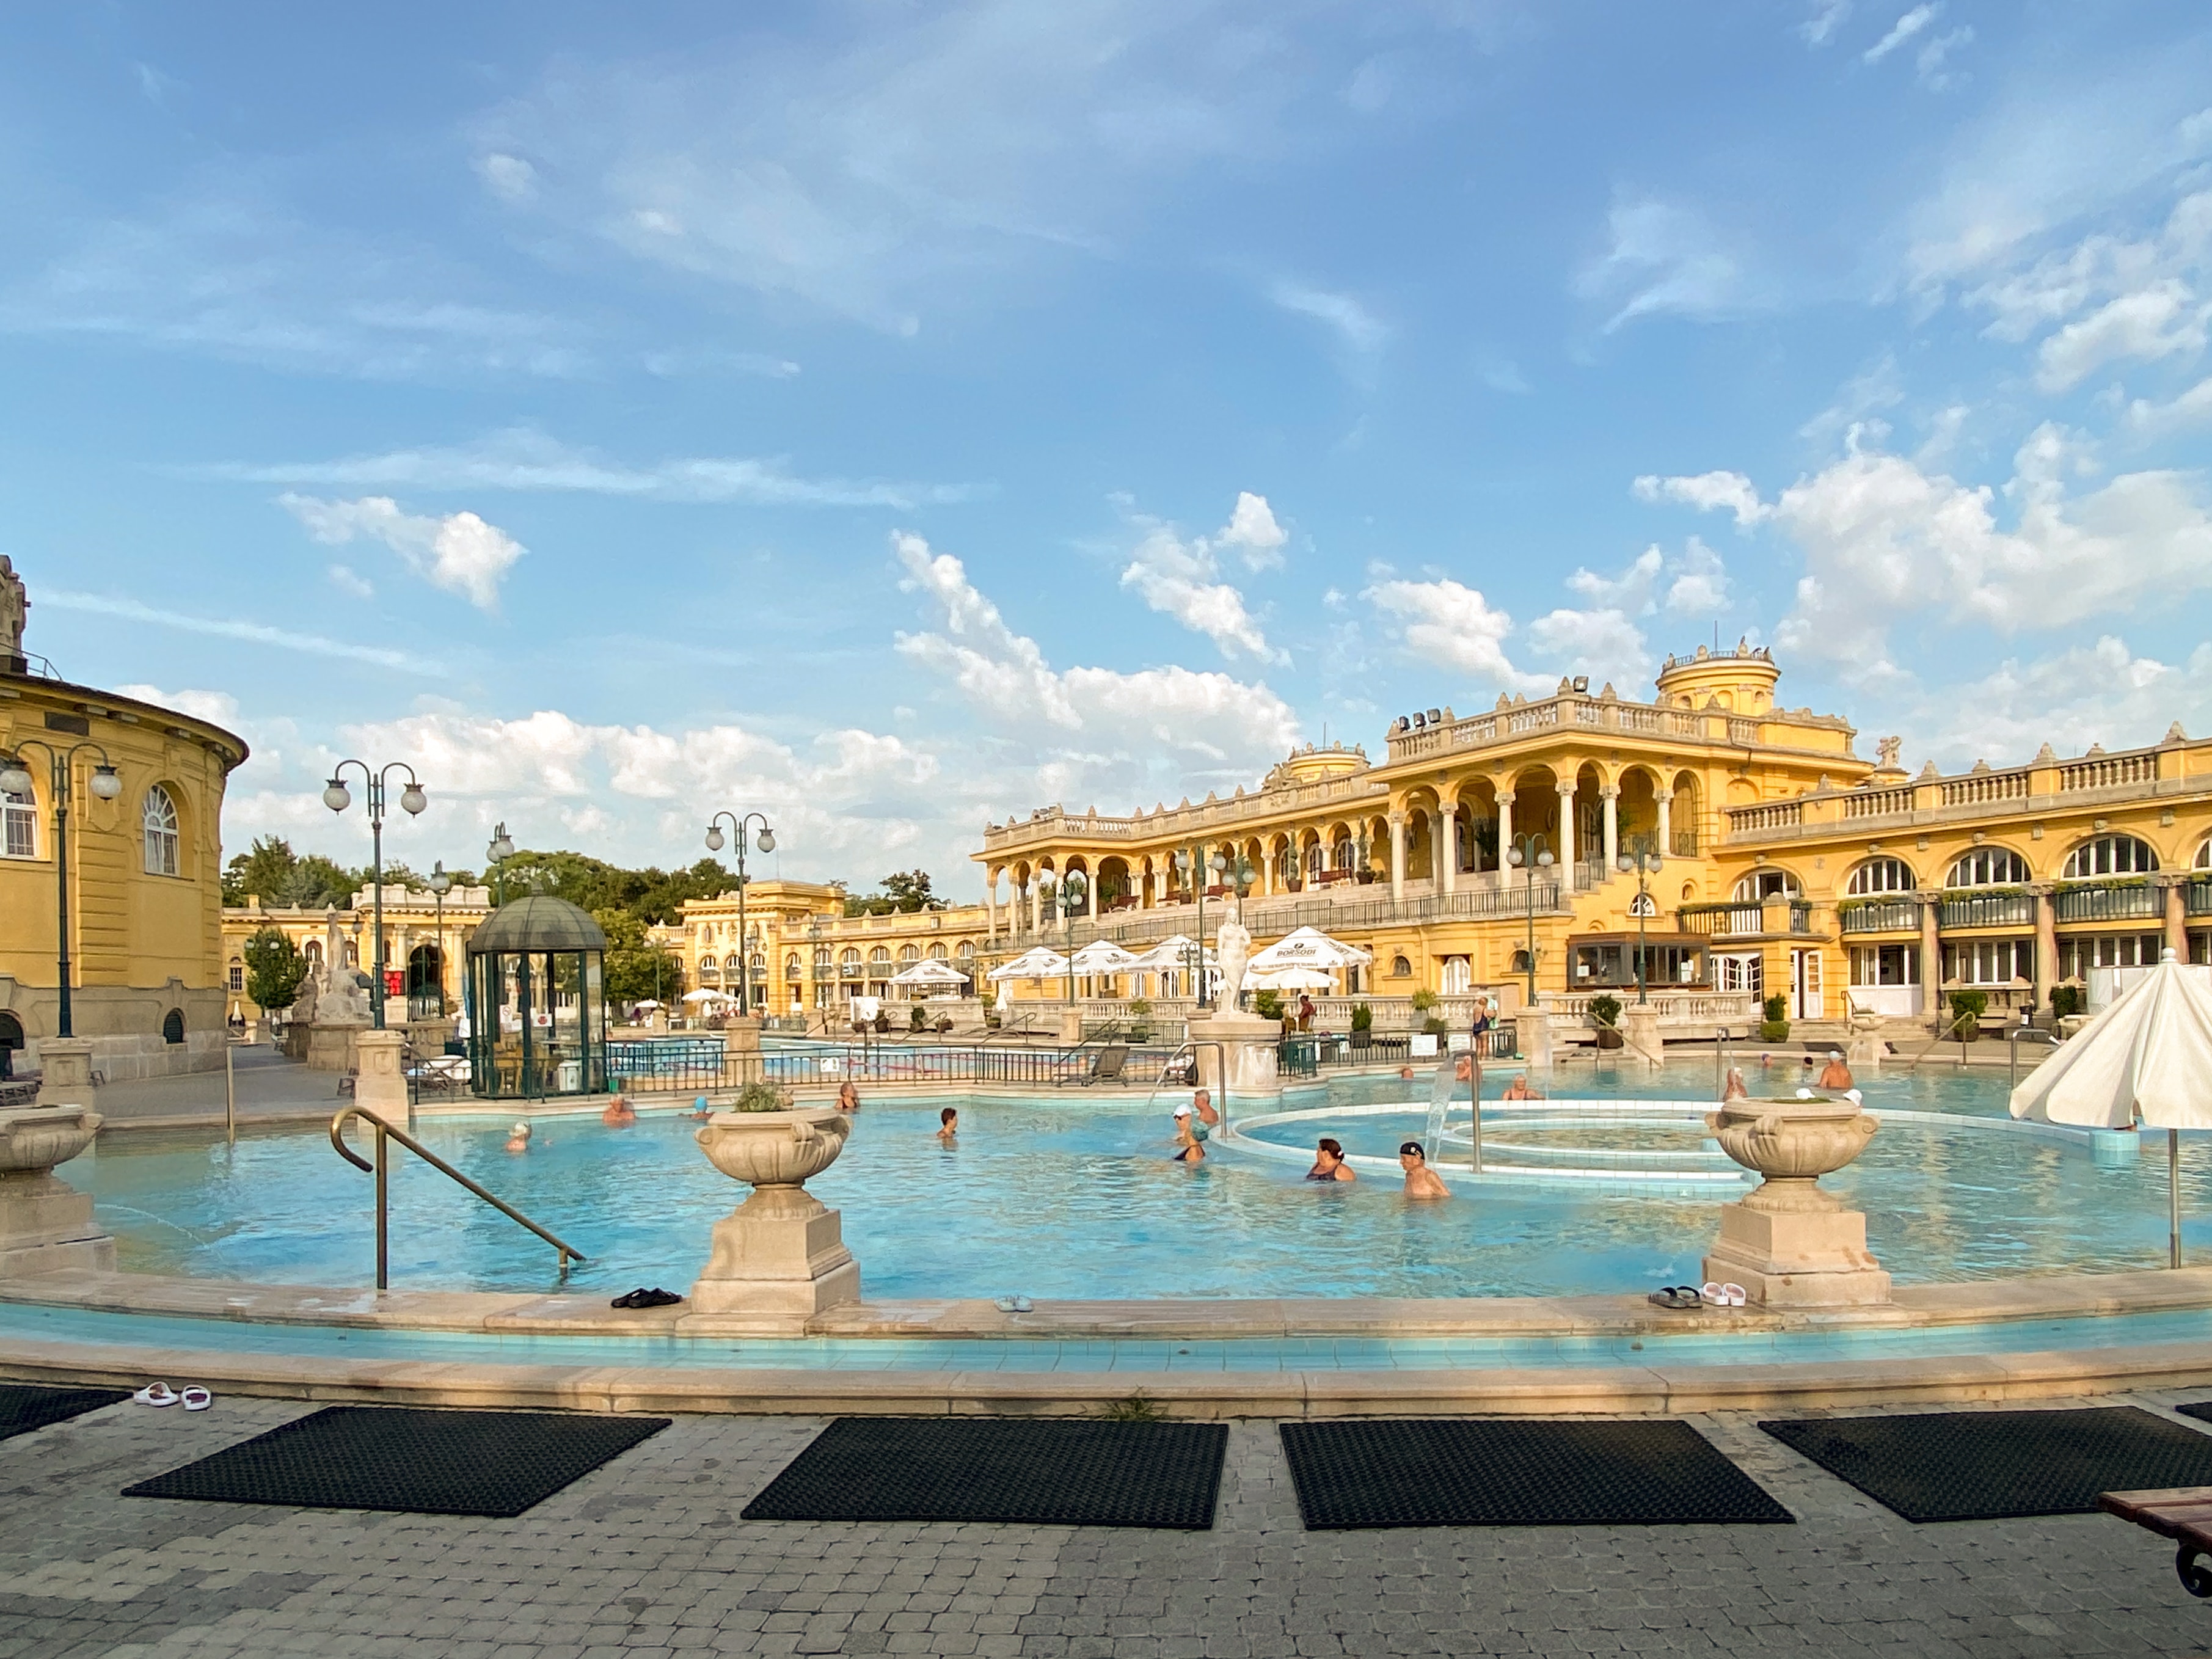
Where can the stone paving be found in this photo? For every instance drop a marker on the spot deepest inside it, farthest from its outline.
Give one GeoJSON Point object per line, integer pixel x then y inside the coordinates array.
{"type": "Point", "coordinates": [645, 1557]}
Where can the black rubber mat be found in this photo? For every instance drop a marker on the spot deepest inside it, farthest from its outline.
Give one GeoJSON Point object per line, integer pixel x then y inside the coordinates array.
{"type": "Point", "coordinates": [1059, 1472]}
{"type": "Point", "coordinates": [416, 1461]}
{"type": "Point", "coordinates": [2201, 1410]}
{"type": "Point", "coordinates": [1990, 1466]}
{"type": "Point", "coordinates": [24, 1406]}
{"type": "Point", "coordinates": [1454, 1472]}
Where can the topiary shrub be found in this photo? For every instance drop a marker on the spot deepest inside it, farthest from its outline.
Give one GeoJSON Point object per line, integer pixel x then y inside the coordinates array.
{"type": "Point", "coordinates": [1363, 1025]}
{"type": "Point", "coordinates": [1774, 1023]}
{"type": "Point", "coordinates": [1436, 1026]}
{"type": "Point", "coordinates": [1268, 1005]}
{"type": "Point", "coordinates": [2065, 1000]}
{"type": "Point", "coordinates": [1423, 1000]}
{"type": "Point", "coordinates": [915, 1019]}
{"type": "Point", "coordinates": [1968, 1008]}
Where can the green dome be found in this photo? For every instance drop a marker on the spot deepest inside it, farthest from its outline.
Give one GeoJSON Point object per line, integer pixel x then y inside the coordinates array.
{"type": "Point", "coordinates": [536, 923]}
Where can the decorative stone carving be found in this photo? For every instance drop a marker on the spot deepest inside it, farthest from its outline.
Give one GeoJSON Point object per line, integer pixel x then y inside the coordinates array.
{"type": "Point", "coordinates": [45, 1224]}
{"type": "Point", "coordinates": [1232, 949]}
{"type": "Point", "coordinates": [14, 615]}
{"type": "Point", "coordinates": [1791, 1244]}
{"type": "Point", "coordinates": [780, 1257]}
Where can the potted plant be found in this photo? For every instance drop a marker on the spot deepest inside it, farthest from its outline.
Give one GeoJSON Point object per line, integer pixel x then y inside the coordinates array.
{"type": "Point", "coordinates": [1141, 1014]}
{"type": "Point", "coordinates": [1268, 1005]}
{"type": "Point", "coordinates": [1436, 1026]}
{"type": "Point", "coordinates": [915, 1019]}
{"type": "Point", "coordinates": [1605, 1014]}
{"type": "Point", "coordinates": [1774, 1024]}
{"type": "Point", "coordinates": [1968, 1008]}
{"type": "Point", "coordinates": [2065, 1001]}
{"type": "Point", "coordinates": [1363, 1025]}
{"type": "Point", "coordinates": [1423, 1000]}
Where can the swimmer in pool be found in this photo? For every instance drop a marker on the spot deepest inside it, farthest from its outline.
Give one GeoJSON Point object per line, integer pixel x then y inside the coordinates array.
{"type": "Point", "coordinates": [1190, 1136]}
{"type": "Point", "coordinates": [518, 1139]}
{"type": "Point", "coordinates": [1201, 1105]}
{"type": "Point", "coordinates": [1835, 1076]}
{"type": "Point", "coordinates": [1421, 1181]}
{"type": "Point", "coordinates": [848, 1097]}
{"type": "Point", "coordinates": [1519, 1089]}
{"type": "Point", "coordinates": [1328, 1162]}
{"type": "Point", "coordinates": [1734, 1089]}
{"type": "Point", "coordinates": [948, 1122]}
{"type": "Point", "coordinates": [619, 1114]}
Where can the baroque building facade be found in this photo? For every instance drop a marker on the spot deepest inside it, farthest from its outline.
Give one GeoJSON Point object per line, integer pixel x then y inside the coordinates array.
{"type": "Point", "coordinates": [425, 943]}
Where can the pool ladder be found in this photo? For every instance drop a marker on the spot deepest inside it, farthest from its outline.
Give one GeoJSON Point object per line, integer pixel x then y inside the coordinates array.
{"type": "Point", "coordinates": [386, 1130]}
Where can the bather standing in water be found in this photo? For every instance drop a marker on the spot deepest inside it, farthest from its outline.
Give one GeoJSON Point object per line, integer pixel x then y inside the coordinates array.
{"type": "Point", "coordinates": [1190, 1136]}
{"type": "Point", "coordinates": [518, 1139]}
{"type": "Point", "coordinates": [1734, 1089]}
{"type": "Point", "coordinates": [1835, 1076]}
{"type": "Point", "coordinates": [848, 1097]}
{"type": "Point", "coordinates": [1519, 1089]}
{"type": "Point", "coordinates": [620, 1114]}
{"type": "Point", "coordinates": [1328, 1162]}
{"type": "Point", "coordinates": [1421, 1181]}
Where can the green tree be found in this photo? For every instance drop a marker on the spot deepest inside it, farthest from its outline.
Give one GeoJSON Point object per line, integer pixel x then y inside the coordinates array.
{"type": "Point", "coordinates": [278, 876]}
{"type": "Point", "coordinates": [636, 968]}
{"type": "Point", "coordinates": [274, 970]}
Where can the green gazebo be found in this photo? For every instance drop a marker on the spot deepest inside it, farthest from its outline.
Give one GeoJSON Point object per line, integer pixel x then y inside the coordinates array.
{"type": "Point", "coordinates": [538, 1007]}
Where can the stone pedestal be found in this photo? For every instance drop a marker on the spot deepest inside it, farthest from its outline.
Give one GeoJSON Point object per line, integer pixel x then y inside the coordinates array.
{"type": "Point", "coordinates": [45, 1224]}
{"type": "Point", "coordinates": [65, 1072]}
{"type": "Point", "coordinates": [380, 1083]}
{"type": "Point", "coordinates": [331, 1045]}
{"type": "Point", "coordinates": [1639, 1028]}
{"type": "Point", "coordinates": [741, 1051]}
{"type": "Point", "coordinates": [1532, 1032]}
{"type": "Point", "coordinates": [1790, 1244]}
{"type": "Point", "coordinates": [1071, 1024]}
{"type": "Point", "coordinates": [1247, 1051]}
{"type": "Point", "coordinates": [779, 1259]}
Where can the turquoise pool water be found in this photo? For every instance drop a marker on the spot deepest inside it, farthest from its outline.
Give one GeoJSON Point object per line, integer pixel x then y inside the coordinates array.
{"type": "Point", "coordinates": [1073, 1196]}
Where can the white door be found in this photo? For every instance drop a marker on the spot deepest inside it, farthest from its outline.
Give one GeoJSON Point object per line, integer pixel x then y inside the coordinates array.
{"type": "Point", "coordinates": [1806, 1001]}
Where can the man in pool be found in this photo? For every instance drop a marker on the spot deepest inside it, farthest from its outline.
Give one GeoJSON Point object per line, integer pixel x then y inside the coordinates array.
{"type": "Point", "coordinates": [1421, 1181]}
{"type": "Point", "coordinates": [1835, 1076]}
{"type": "Point", "coordinates": [619, 1114]}
{"type": "Point", "coordinates": [1202, 1106]}
{"type": "Point", "coordinates": [518, 1139]}
{"type": "Point", "coordinates": [948, 1124]}
{"type": "Point", "coordinates": [1190, 1136]}
{"type": "Point", "coordinates": [1519, 1089]}
{"type": "Point", "coordinates": [1328, 1162]}
{"type": "Point", "coordinates": [848, 1097]}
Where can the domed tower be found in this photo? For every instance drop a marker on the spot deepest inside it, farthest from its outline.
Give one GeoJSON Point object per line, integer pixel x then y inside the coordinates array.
{"type": "Point", "coordinates": [1740, 681]}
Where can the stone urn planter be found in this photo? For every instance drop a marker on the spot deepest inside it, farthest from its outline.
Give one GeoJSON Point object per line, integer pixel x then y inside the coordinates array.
{"type": "Point", "coordinates": [45, 1223]}
{"type": "Point", "coordinates": [1790, 1244]}
{"type": "Point", "coordinates": [780, 1257]}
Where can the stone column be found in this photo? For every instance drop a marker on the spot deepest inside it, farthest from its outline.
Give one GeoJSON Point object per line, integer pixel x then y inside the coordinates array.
{"type": "Point", "coordinates": [991, 909]}
{"type": "Point", "coordinates": [1447, 852]}
{"type": "Point", "coordinates": [2176, 918]}
{"type": "Point", "coordinates": [1567, 851]}
{"type": "Point", "coordinates": [1397, 855]}
{"type": "Point", "coordinates": [1666, 800]}
{"type": "Point", "coordinates": [2046, 943]}
{"type": "Point", "coordinates": [1267, 869]}
{"type": "Point", "coordinates": [1091, 896]}
{"type": "Point", "coordinates": [65, 1072]}
{"type": "Point", "coordinates": [379, 1083]}
{"type": "Point", "coordinates": [1037, 904]}
{"type": "Point", "coordinates": [1931, 955]}
{"type": "Point", "coordinates": [1611, 796]}
{"type": "Point", "coordinates": [1504, 831]}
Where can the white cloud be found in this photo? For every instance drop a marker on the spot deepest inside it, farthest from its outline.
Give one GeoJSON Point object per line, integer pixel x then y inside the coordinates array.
{"type": "Point", "coordinates": [1928, 65]}
{"type": "Point", "coordinates": [1630, 591]}
{"type": "Point", "coordinates": [1901, 31]}
{"type": "Point", "coordinates": [1828, 15]}
{"type": "Point", "coordinates": [1883, 540]}
{"type": "Point", "coordinates": [1253, 531]}
{"type": "Point", "coordinates": [1452, 625]}
{"type": "Point", "coordinates": [1603, 644]}
{"type": "Point", "coordinates": [1182, 579]}
{"type": "Point", "coordinates": [459, 552]}
{"type": "Point", "coordinates": [1708, 490]}
{"type": "Point", "coordinates": [520, 458]}
{"type": "Point", "coordinates": [2162, 320]}
{"type": "Point", "coordinates": [1877, 387]}
{"type": "Point", "coordinates": [2087, 693]}
{"type": "Point", "coordinates": [2192, 408]}
{"type": "Point", "coordinates": [1358, 327]}
{"type": "Point", "coordinates": [347, 580]}
{"type": "Point", "coordinates": [1664, 258]}
{"type": "Point", "coordinates": [508, 176]}
{"type": "Point", "coordinates": [1604, 640]}
{"type": "Point", "coordinates": [1700, 584]}
{"type": "Point", "coordinates": [226, 627]}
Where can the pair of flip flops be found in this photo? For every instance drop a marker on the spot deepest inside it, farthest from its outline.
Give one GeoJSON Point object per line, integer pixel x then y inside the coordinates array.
{"type": "Point", "coordinates": [193, 1399]}
{"type": "Point", "coordinates": [1723, 1296]}
{"type": "Point", "coordinates": [1014, 1304]}
{"type": "Point", "coordinates": [642, 1297]}
{"type": "Point", "coordinates": [1676, 1296]}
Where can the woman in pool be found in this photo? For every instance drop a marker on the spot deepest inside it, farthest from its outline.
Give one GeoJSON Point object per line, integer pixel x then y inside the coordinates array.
{"type": "Point", "coordinates": [518, 1139]}
{"type": "Point", "coordinates": [848, 1097]}
{"type": "Point", "coordinates": [1190, 1136]}
{"type": "Point", "coordinates": [1735, 1089]}
{"type": "Point", "coordinates": [1519, 1089]}
{"type": "Point", "coordinates": [1328, 1162]}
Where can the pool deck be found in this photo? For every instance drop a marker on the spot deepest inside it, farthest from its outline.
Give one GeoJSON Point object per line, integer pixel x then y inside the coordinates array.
{"type": "Point", "coordinates": [1660, 1385]}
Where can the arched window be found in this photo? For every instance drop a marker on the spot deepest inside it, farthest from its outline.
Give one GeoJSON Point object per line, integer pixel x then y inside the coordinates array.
{"type": "Point", "coordinates": [160, 816]}
{"type": "Point", "coordinates": [791, 964]}
{"type": "Point", "coordinates": [1988, 867]}
{"type": "Point", "coordinates": [313, 950]}
{"type": "Point", "coordinates": [2204, 856]}
{"type": "Point", "coordinates": [709, 968]}
{"type": "Point", "coordinates": [1400, 967]}
{"type": "Point", "coordinates": [967, 950]}
{"type": "Point", "coordinates": [909, 953]}
{"type": "Point", "coordinates": [937, 952]}
{"type": "Point", "coordinates": [880, 957]}
{"type": "Point", "coordinates": [1346, 853]}
{"type": "Point", "coordinates": [11, 1030]}
{"type": "Point", "coordinates": [172, 1026]}
{"type": "Point", "coordinates": [759, 964]}
{"type": "Point", "coordinates": [821, 961]}
{"type": "Point", "coordinates": [1879, 876]}
{"type": "Point", "coordinates": [1313, 857]}
{"type": "Point", "coordinates": [1643, 905]}
{"type": "Point", "coordinates": [1766, 884]}
{"type": "Point", "coordinates": [849, 963]}
{"type": "Point", "coordinates": [18, 826]}
{"type": "Point", "coordinates": [2110, 855]}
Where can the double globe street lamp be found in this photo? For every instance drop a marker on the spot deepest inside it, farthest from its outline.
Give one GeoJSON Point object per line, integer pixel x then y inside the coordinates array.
{"type": "Point", "coordinates": [1642, 861]}
{"type": "Point", "coordinates": [764, 838]}
{"type": "Point", "coordinates": [1069, 897]}
{"type": "Point", "coordinates": [1531, 851]}
{"type": "Point", "coordinates": [106, 785]}
{"type": "Point", "coordinates": [338, 797]}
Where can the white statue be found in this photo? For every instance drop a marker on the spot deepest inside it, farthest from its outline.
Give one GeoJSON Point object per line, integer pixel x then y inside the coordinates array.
{"type": "Point", "coordinates": [1888, 749]}
{"type": "Point", "coordinates": [15, 610]}
{"type": "Point", "coordinates": [1232, 949]}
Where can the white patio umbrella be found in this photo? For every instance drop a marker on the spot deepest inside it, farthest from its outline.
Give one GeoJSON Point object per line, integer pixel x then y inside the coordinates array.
{"type": "Point", "coordinates": [1173, 951]}
{"type": "Point", "coordinates": [708, 996]}
{"type": "Point", "coordinates": [1102, 955]}
{"type": "Point", "coordinates": [1041, 962]}
{"type": "Point", "coordinates": [929, 971]}
{"type": "Point", "coordinates": [1308, 947]}
{"type": "Point", "coordinates": [647, 1003]}
{"type": "Point", "coordinates": [2145, 1059]}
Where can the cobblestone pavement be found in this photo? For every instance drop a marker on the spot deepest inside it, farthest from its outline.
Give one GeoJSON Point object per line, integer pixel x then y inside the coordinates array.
{"type": "Point", "coordinates": [645, 1557]}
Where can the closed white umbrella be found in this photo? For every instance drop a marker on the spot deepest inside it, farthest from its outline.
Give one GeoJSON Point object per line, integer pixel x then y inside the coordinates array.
{"type": "Point", "coordinates": [1308, 947]}
{"type": "Point", "coordinates": [1042, 963]}
{"type": "Point", "coordinates": [2147, 1058]}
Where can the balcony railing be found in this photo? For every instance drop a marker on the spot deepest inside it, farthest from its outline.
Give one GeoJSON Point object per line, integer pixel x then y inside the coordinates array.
{"type": "Point", "coordinates": [1273, 917]}
{"type": "Point", "coordinates": [1885, 916]}
{"type": "Point", "coordinates": [2109, 901]}
{"type": "Point", "coordinates": [1988, 910]}
{"type": "Point", "coordinates": [1747, 918]}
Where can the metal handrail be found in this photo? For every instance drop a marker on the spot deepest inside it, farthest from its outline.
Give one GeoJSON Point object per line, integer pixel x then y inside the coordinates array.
{"type": "Point", "coordinates": [2011, 1049]}
{"type": "Point", "coordinates": [568, 1252]}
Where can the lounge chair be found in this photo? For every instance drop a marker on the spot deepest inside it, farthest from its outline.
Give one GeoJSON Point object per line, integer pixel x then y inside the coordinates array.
{"type": "Point", "coordinates": [1105, 1066]}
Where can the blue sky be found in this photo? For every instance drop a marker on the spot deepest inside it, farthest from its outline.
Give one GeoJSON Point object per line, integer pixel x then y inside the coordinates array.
{"type": "Point", "coordinates": [893, 416]}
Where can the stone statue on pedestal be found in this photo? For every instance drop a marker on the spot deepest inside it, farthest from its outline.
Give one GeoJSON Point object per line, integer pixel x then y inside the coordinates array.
{"type": "Point", "coordinates": [15, 614]}
{"type": "Point", "coordinates": [1232, 949]}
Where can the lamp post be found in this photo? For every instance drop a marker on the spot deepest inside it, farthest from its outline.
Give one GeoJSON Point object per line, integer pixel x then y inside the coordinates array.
{"type": "Point", "coordinates": [1531, 851]}
{"type": "Point", "coordinates": [336, 797]}
{"type": "Point", "coordinates": [1644, 860]}
{"type": "Point", "coordinates": [441, 884]}
{"type": "Point", "coordinates": [497, 851]}
{"type": "Point", "coordinates": [1070, 901]}
{"type": "Point", "coordinates": [764, 838]}
{"type": "Point", "coordinates": [1194, 865]}
{"type": "Point", "coordinates": [106, 784]}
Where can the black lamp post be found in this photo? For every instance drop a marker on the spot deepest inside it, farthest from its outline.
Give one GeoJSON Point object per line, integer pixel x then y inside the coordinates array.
{"type": "Point", "coordinates": [764, 838]}
{"type": "Point", "coordinates": [441, 884]}
{"type": "Point", "coordinates": [1531, 851]}
{"type": "Point", "coordinates": [1070, 893]}
{"type": "Point", "coordinates": [1194, 865]}
{"type": "Point", "coordinates": [106, 785]}
{"type": "Point", "coordinates": [497, 851]}
{"type": "Point", "coordinates": [336, 797]}
{"type": "Point", "coordinates": [1644, 860]}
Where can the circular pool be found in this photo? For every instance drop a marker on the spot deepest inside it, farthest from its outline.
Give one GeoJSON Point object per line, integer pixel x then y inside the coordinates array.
{"type": "Point", "coordinates": [1073, 1195]}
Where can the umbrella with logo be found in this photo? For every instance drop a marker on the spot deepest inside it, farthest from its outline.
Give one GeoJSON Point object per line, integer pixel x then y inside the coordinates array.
{"type": "Point", "coordinates": [1308, 947]}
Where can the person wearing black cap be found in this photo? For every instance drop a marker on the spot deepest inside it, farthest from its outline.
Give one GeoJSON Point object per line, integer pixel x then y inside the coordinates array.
{"type": "Point", "coordinates": [1421, 1181]}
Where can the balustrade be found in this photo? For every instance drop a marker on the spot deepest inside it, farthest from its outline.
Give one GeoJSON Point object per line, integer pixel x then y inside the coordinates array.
{"type": "Point", "coordinates": [2109, 901]}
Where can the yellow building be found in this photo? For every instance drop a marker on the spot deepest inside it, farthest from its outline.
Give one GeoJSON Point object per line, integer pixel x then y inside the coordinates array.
{"type": "Point", "coordinates": [808, 955]}
{"type": "Point", "coordinates": [425, 943]}
{"type": "Point", "coordinates": [142, 787]}
{"type": "Point", "coordinates": [1786, 863]}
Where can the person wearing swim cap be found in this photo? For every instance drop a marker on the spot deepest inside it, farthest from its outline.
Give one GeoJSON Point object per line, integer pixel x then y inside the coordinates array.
{"type": "Point", "coordinates": [1421, 1181]}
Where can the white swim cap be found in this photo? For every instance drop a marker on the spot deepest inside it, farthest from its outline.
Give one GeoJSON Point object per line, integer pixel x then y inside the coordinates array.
{"type": "Point", "coordinates": [519, 1129]}
{"type": "Point", "coordinates": [1182, 1110]}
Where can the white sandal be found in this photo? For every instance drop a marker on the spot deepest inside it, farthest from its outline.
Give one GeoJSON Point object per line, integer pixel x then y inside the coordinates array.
{"type": "Point", "coordinates": [1735, 1294]}
{"type": "Point", "coordinates": [156, 1394]}
{"type": "Point", "coordinates": [197, 1399]}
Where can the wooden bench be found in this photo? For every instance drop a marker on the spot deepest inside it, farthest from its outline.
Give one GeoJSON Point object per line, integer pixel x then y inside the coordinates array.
{"type": "Point", "coordinates": [2181, 1513]}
